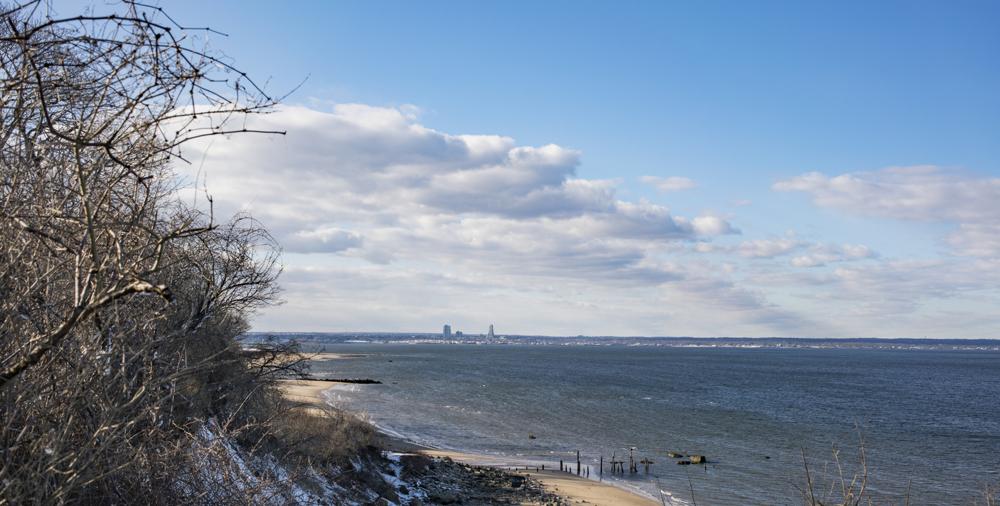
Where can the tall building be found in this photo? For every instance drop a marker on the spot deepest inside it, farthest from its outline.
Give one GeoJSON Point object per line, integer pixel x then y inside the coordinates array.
{"type": "Point", "coordinates": [490, 335]}
{"type": "Point", "coordinates": [447, 331]}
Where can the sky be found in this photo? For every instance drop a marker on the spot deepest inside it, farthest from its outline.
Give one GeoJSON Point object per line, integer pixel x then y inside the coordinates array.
{"type": "Point", "coordinates": [620, 168]}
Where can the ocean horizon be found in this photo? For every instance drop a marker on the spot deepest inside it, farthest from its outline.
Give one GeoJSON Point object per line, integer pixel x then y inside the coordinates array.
{"type": "Point", "coordinates": [321, 338]}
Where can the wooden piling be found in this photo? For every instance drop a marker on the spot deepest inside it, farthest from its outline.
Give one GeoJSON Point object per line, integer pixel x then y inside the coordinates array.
{"type": "Point", "coordinates": [578, 462]}
{"type": "Point", "coordinates": [646, 462]}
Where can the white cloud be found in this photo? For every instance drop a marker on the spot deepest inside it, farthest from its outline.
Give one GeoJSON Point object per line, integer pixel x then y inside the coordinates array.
{"type": "Point", "coordinates": [922, 194]}
{"type": "Point", "coordinates": [373, 188]}
{"type": "Point", "coordinates": [322, 240]}
{"type": "Point", "coordinates": [391, 225]}
{"type": "Point", "coordinates": [709, 225]}
{"type": "Point", "coordinates": [669, 184]}
{"type": "Point", "coordinates": [375, 167]}
{"type": "Point", "coordinates": [822, 254]}
{"type": "Point", "coordinates": [704, 247]}
{"type": "Point", "coordinates": [813, 254]}
{"type": "Point", "coordinates": [768, 248]}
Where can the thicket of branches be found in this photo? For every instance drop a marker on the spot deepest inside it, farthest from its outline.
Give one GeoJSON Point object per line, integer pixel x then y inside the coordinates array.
{"type": "Point", "coordinates": [119, 305]}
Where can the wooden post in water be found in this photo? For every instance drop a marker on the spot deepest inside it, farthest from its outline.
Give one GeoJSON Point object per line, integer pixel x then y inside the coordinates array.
{"type": "Point", "coordinates": [646, 462]}
{"type": "Point", "coordinates": [560, 465]}
{"type": "Point", "coordinates": [578, 462]}
{"type": "Point", "coordinates": [601, 471]}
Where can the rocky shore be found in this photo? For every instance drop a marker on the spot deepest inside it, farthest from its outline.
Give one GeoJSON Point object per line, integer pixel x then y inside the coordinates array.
{"type": "Point", "coordinates": [445, 481]}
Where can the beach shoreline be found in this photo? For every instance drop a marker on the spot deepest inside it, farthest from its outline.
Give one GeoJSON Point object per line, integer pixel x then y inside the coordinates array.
{"type": "Point", "coordinates": [573, 488]}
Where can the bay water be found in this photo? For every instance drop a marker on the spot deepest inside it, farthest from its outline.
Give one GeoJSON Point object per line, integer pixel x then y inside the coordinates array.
{"type": "Point", "coordinates": [929, 420]}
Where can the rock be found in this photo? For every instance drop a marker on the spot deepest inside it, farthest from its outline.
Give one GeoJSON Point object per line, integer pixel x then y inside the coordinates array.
{"type": "Point", "coordinates": [516, 481]}
{"type": "Point", "coordinates": [698, 459]}
{"type": "Point", "coordinates": [443, 498]}
{"type": "Point", "coordinates": [675, 455]}
{"type": "Point", "coordinates": [416, 463]}
{"type": "Point", "coordinates": [684, 462]}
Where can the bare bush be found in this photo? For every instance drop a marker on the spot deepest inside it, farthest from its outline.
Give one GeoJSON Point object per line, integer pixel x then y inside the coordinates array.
{"type": "Point", "coordinates": [842, 489]}
{"type": "Point", "coordinates": [321, 435]}
{"type": "Point", "coordinates": [119, 305]}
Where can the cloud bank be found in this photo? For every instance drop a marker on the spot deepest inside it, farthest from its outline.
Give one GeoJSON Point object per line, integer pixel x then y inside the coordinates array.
{"type": "Point", "coordinates": [920, 194]}
{"type": "Point", "coordinates": [373, 182]}
{"type": "Point", "coordinates": [388, 224]}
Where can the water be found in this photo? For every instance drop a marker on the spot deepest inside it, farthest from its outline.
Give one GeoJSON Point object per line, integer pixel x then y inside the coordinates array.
{"type": "Point", "coordinates": [930, 419]}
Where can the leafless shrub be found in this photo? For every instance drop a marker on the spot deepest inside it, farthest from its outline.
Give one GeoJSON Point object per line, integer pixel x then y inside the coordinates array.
{"type": "Point", "coordinates": [991, 496]}
{"type": "Point", "coordinates": [119, 305]}
{"type": "Point", "coordinates": [841, 490]}
{"type": "Point", "coordinates": [326, 435]}
{"type": "Point", "coordinates": [833, 486]}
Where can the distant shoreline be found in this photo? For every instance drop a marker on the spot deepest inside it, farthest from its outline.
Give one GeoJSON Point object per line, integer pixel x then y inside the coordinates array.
{"type": "Point", "coordinates": [318, 339]}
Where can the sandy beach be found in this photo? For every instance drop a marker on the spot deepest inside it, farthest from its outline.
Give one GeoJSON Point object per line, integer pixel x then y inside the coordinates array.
{"type": "Point", "coordinates": [572, 488]}
{"type": "Point", "coordinates": [306, 392]}
{"type": "Point", "coordinates": [326, 355]}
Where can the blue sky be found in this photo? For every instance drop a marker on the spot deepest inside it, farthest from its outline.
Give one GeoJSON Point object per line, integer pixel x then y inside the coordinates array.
{"type": "Point", "coordinates": [739, 94]}
{"type": "Point", "coordinates": [738, 97]}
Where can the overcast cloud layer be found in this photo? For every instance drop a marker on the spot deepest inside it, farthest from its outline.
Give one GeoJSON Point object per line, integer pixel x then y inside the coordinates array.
{"type": "Point", "coordinates": [389, 225]}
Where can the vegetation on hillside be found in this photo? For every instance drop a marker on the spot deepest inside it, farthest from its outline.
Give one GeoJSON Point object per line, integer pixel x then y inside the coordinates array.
{"type": "Point", "coordinates": [121, 304]}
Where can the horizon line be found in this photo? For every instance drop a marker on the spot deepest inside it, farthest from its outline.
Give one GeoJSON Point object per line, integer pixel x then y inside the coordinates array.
{"type": "Point", "coordinates": [579, 336]}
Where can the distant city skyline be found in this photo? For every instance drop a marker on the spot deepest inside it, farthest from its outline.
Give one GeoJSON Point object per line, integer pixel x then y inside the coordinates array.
{"type": "Point", "coordinates": [708, 169]}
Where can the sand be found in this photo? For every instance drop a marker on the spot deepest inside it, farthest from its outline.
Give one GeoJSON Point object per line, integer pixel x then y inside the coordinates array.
{"type": "Point", "coordinates": [326, 355]}
{"type": "Point", "coordinates": [582, 490]}
{"type": "Point", "coordinates": [573, 488]}
{"type": "Point", "coordinates": [308, 393]}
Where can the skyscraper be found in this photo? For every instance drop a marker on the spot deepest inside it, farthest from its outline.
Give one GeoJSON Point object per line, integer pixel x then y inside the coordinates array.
{"type": "Point", "coordinates": [490, 335]}
{"type": "Point", "coordinates": [447, 331]}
